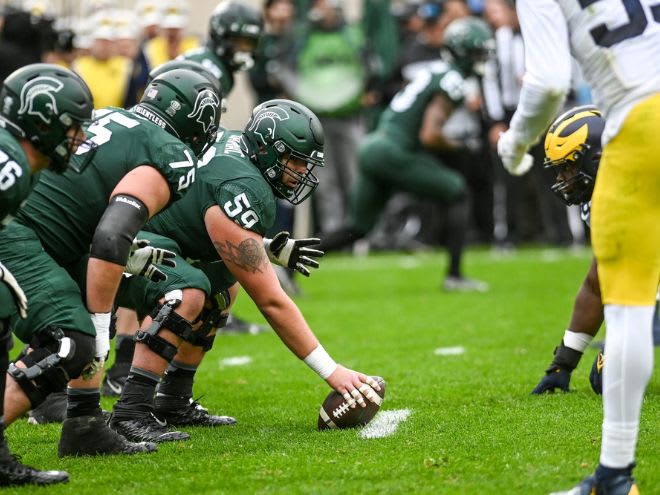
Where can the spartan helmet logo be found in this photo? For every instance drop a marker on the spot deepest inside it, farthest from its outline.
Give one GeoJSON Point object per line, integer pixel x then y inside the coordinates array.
{"type": "Point", "coordinates": [37, 98]}
{"type": "Point", "coordinates": [206, 108]}
{"type": "Point", "coordinates": [265, 122]}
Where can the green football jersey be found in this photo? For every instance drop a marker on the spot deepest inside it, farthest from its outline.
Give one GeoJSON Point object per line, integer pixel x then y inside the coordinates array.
{"type": "Point", "coordinates": [225, 177]}
{"type": "Point", "coordinates": [214, 65]}
{"type": "Point", "coordinates": [403, 117]}
{"type": "Point", "coordinates": [15, 176]}
{"type": "Point", "coordinates": [64, 209]}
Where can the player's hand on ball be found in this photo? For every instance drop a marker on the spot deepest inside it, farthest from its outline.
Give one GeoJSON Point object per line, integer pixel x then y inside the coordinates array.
{"type": "Point", "coordinates": [143, 260]}
{"type": "Point", "coordinates": [354, 386]}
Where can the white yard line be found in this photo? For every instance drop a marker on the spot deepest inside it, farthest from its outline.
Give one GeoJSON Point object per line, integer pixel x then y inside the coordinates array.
{"type": "Point", "coordinates": [450, 351]}
{"type": "Point", "coordinates": [236, 361]}
{"type": "Point", "coordinates": [385, 423]}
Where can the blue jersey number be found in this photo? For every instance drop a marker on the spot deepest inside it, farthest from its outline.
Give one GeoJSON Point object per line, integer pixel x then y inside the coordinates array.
{"type": "Point", "coordinates": [606, 37]}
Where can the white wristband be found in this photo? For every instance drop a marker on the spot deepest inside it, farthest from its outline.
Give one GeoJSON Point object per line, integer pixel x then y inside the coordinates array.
{"type": "Point", "coordinates": [321, 362]}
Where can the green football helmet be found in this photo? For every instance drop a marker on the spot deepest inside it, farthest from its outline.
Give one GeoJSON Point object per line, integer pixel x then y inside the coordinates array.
{"type": "Point", "coordinates": [277, 131]}
{"type": "Point", "coordinates": [185, 64]}
{"type": "Point", "coordinates": [40, 103]}
{"type": "Point", "coordinates": [469, 43]}
{"type": "Point", "coordinates": [185, 104]}
{"type": "Point", "coordinates": [230, 21]}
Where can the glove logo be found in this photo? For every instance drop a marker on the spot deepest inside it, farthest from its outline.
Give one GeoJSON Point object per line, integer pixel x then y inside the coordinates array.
{"type": "Point", "coordinates": [205, 109]}
{"type": "Point", "coordinates": [265, 123]}
{"type": "Point", "coordinates": [37, 98]}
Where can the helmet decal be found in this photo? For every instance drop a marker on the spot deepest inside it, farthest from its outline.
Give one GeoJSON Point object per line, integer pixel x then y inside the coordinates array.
{"type": "Point", "coordinates": [273, 114]}
{"type": "Point", "coordinates": [206, 108]}
{"type": "Point", "coordinates": [174, 107]}
{"type": "Point", "coordinates": [6, 104]}
{"type": "Point", "coordinates": [41, 87]}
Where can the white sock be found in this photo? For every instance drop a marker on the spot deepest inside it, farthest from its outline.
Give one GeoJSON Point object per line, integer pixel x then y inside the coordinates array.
{"type": "Point", "coordinates": [627, 370]}
{"type": "Point", "coordinates": [576, 340]}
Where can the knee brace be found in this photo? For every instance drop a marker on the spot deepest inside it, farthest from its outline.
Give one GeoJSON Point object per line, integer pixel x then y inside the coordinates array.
{"type": "Point", "coordinates": [212, 318]}
{"type": "Point", "coordinates": [165, 317]}
{"type": "Point", "coordinates": [44, 372]}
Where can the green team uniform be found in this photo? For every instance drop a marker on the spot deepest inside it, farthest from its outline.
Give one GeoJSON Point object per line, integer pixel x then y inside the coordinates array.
{"type": "Point", "coordinates": [392, 159]}
{"type": "Point", "coordinates": [15, 185]}
{"type": "Point", "coordinates": [228, 179]}
{"type": "Point", "coordinates": [54, 229]}
{"type": "Point", "coordinates": [214, 65]}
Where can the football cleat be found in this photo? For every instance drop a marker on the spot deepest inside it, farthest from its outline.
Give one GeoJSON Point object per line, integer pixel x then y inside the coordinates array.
{"type": "Point", "coordinates": [596, 375]}
{"type": "Point", "coordinates": [113, 386]}
{"type": "Point", "coordinates": [52, 410]}
{"type": "Point", "coordinates": [90, 435]}
{"type": "Point", "coordinates": [14, 473]}
{"type": "Point", "coordinates": [187, 412]}
{"type": "Point", "coordinates": [236, 325]}
{"type": "Point", "coordinates": [555, 378]}
{"type": "Point", "coordinates": [462, 284]}
{"type": "Point", "coordinates": [148, 428]}
{"type": "Point", "coordinates": [618, 485]}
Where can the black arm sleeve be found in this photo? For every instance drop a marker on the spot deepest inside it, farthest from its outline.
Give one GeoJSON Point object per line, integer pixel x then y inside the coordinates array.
{"type": "Point", "coordinates": [122, 220]}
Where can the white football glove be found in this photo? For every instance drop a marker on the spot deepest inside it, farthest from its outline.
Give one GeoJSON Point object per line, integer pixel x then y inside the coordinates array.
{"type": "Point", "coordinates": [514, 155]}
{"type": "Point", "coordinates": [293, 253]}
{"type": "Point", "coordinates": [101, 323]}
{"type": "Point", "coordinates": [143, 258]}
{"type": "Point", "coordinates": [17, 293]}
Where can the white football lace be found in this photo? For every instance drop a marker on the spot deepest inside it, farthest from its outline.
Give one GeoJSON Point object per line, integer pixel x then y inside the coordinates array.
{"type": "Point", "coordinates": [339, 412]}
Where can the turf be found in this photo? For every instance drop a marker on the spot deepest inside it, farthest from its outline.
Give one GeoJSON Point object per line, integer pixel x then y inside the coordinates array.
{"type": "Point", "coordinates": [474, 428]}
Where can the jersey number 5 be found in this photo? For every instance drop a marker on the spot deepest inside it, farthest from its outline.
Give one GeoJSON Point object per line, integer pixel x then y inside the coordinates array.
{"type": "Point", "coordinates": [606, 37]}
{"type": "Point", "coordinates": [241, 207]}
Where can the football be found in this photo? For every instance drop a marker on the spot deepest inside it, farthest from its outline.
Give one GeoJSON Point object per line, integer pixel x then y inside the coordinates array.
{"type": "Point", "coordinates": [336, 413]}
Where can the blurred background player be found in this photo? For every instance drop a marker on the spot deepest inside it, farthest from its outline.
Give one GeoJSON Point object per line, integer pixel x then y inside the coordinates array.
{"type": "Point", "coordinates": [398, 155]}
{"type": "Point", "coordinates": [234, 31]}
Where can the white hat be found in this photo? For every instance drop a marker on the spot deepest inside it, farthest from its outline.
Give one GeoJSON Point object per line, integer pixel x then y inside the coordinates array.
{"type": "Point", "coordinates": [126, 24]}
{"type": "Point", "coordinates": [149, 13]}
{"type": "Point", "coordinates": [175, 14]}
{"type": "Point", "coordinates": [103, 25]}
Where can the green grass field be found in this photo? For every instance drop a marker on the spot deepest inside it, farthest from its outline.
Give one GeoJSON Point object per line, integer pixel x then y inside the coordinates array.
{"type": "Point", "coordinates": [473, 427]}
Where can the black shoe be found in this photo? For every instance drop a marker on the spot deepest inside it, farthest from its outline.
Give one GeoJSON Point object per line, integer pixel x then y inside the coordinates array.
{"type": "Point", "coordinates": [187, 412]}
{"type": "Point", "coordinates": [113, 386]}
{"type": "Point", "coordinates": [236, 325]}
{"type": "Point", "coordinates": [52, 410]}
{"type": "Point", "coordinates": [90, 435]}
{"type": "Point", "coordinates": [13, 473]}
{"type": "Point", "coordinates": [148, 428]}
{"type": "Point", "coordinates": [619, 485]}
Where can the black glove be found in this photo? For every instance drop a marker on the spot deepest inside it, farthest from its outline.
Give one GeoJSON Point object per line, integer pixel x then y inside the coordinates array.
{"type": "Point", "coordinates": [555, 378]}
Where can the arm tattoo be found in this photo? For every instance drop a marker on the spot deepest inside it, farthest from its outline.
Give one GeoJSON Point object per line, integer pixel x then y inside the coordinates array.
{"type": "Point", "coordinates": [249, 255]}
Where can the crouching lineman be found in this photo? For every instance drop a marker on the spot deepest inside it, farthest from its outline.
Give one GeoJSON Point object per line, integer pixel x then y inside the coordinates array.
{"type": "Point", "coordinates": [573, 149]}
{"type": "Point", "coordinates": [143, 160]}
{"type": "Point", "coordinates": [44, 108]}
{"type": "Point", "coordinates": [222, 223]}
